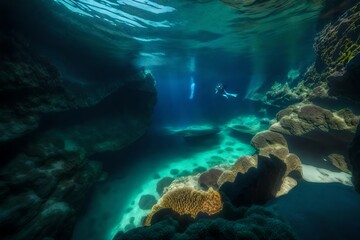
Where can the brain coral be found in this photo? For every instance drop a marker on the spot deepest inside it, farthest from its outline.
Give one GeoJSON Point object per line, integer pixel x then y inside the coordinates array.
{"type": "Point", "coordinates": [187, 200]}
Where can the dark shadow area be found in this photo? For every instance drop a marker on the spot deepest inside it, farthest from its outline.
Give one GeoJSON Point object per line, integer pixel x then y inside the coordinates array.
{"type": "Point", "coordinates": [319, 211]}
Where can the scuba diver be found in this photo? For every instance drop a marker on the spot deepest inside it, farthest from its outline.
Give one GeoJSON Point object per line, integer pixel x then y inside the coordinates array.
{"type": "Point", "coordinates": [220, 88]}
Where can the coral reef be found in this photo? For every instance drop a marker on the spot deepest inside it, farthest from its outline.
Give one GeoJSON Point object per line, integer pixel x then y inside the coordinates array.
{"type": "Point", "coordinates": [210, 178]}
{"type": "Point", "coordinates": [269, 145]}
{"type": "Point", "coordinates": [242, 165]}
{"type": "Point", "coordinates": [328, 131]}
{"type": "Point", "coordinates": [338, 43]}
{"type": "Point", "coordinates": [336, 69]}
{"type": "Point", "coordinates": [268, 138]}
{"type": "Point", "coordinates": [187, 200]}
{"type": "Point", "coordinates": [258, 185]}
{"type": "Point", "coordinates": [326, 135]}
{"type": "Point", "coordinates": [303, 119]}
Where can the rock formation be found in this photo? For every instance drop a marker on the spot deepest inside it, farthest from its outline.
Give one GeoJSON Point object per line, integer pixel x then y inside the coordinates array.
{"type": "Point", "coordinates": [326, 133]}
{"type": "Point", "coordinates": [335, 72]}
{"type": "Point", "coordinates": [231, 223]}
{"type": "Point", "coordinates": [354, 156]}
{"type": "Point", "coordinates": [47, 133]}
{"type": "Point", "coordinates": [270, 146]}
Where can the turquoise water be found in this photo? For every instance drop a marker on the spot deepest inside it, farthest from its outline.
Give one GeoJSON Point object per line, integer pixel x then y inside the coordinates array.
{"type": "Point", "coordinates": [115, 208]}
{"type": "Point", "coordinates": [132, 87]}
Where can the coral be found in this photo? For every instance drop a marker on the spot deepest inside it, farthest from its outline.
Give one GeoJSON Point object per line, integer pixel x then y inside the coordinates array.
{"type": "Point", "coordinates": [226, 176]}
{"type": "Point", "coordinates": [185, 181]}
{"type": "Point", "coordinates": [188, 201]}
{"type": "Point", "coordinates": [281, 94]}
{"type": "Point", "coordinates": [349, 117]}
{"type": "Point", "coordinates": [338, 42]}
{"type": "Point", "coordinates": [269, 144]}
{"type": "Point", "coordinates": [326, 134]}
{"type": "Point", "coordinates": [257, 185]}
{"type": "Point", "coordinates": [243, 164]}
{"type": "Point", "coordinates": [268, 138]}
{"type": "Point", "coordinates": [276, 150]}
{"type": "Point", "coordinates": [300, 119]}
{"type": "Point", "coordinates": [335, 71]}
{"type": "Point", "coordinates": [210, 178]}
{"type": "Point", "coordinates": [293, 165]}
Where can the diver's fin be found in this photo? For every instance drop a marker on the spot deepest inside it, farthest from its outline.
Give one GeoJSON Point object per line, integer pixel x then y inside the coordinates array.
{"type": "Point", "coordinates": [232, 94]}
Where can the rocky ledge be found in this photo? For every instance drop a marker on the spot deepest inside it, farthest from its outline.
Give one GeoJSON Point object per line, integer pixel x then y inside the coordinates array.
{"type": "Point", "coordinates": [335, 73]}
{"type": "Point", "coordinates": [48, 131]}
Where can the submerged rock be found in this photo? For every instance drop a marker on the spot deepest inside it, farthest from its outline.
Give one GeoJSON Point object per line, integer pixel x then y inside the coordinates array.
{"type": "Point", "coordinates": [47, 133]}
{"type": "Point", "coordinates": [326, 132]}
{"type": "Point", "coordinates": [235, 223]}
{"type": "Point", "coordinates": [307, 119]}
{"type": "Point", "coordinates": [198, 132]}
{"type": "Point", "coordinates": [354, 156]}
{"type": "Point", "coordinates": [257, 185]}
{"type": "Point", "coordinates": [335, 73]}
{"type": "Point", "coordinates": [162, 184]}
{"type": "Point", "coordinates": [147, 201]}
{"type": "Point", "coordinates": [245, 124]}
{"type": "Point", "coordinates": [45, 191]}
{"type": "Point", "coordinates": [210, 178]}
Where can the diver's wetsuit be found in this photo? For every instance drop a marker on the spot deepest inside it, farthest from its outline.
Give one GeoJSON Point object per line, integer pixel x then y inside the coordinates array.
{"type": "Point", "coordinates": [220, 88]}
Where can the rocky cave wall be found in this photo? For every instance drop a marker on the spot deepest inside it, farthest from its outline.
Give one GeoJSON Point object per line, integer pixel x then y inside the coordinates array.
{"type": "Point", "coordinates": [49, 129]}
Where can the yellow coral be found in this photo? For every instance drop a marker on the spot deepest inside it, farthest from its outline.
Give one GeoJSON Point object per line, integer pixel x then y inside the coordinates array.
{"type": "Point", "coordinates": [187, 200]}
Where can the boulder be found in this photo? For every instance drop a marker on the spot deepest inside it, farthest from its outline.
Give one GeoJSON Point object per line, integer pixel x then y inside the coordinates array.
{"type": "Point", "coordinates": [198, 132]}
{"type": "Point", "coordinates": [326, 134]}
{"type": "Point", "coordinates": [48, 131]}
{"type": "Point", "coordinates": [245, 125]}
{"type": "Point", "coordinates": [268, 138]}
{"type": "Point", "coordinates": [147, 201]}
{"type": "Point", "coordinates": [45, 191]}
{"type": "Point", "coordinates": [316, 123]}
{"type": "Point", "coordinates": [163, 183]}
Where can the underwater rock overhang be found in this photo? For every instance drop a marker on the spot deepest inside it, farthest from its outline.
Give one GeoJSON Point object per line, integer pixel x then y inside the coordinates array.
{"type": "Point", "coordinates": [48, 133]}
